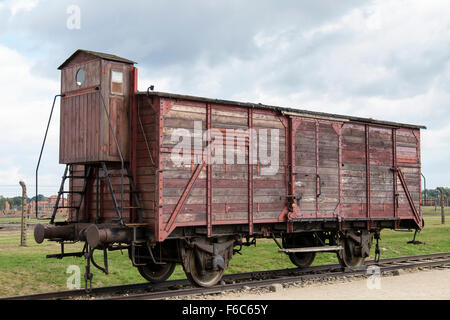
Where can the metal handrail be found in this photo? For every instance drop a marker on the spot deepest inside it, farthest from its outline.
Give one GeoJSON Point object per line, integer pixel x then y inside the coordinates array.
{"type": "Point", "coordinates": [40, 155]}
{"type": "Point", "coordinates": [115, 141]}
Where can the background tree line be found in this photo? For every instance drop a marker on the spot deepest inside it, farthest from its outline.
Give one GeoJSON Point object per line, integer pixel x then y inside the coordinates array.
{"type": "Point", "coordinates": [17, 201]}
{"type": "Point", "coordinates": [434, 193]}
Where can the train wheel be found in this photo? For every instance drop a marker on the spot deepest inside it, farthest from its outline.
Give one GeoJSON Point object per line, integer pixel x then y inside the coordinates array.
{"type": "Point", "coordinates": [347, 260]}
{"type": "Point", "coordinates": [196, 272]}
{"type": "Point", "coordinates": [156, 273]}
{"type": "Point", "coordinates": [301, 260]}
{"type": "Point", "coordinates": [349, 256]}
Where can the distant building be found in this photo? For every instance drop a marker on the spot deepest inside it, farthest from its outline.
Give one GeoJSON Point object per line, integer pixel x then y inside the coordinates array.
{"type": "Point", "coordinates": [52, 200]}
{"type": "Point", "coordinates": [46, 206]}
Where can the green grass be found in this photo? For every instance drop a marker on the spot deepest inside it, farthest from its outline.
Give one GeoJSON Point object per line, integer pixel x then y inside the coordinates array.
{"type": "Point", "coordinates": [25, 270]}
{"type": "Point", "coordinates": [435, 210]}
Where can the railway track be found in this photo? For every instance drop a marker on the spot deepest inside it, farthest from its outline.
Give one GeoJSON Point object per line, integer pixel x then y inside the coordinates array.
{"type": "Point", "coordinates": [180, 288]}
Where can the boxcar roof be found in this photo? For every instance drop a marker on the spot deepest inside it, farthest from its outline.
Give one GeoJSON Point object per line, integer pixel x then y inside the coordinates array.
{"type": "Point", "coordinates": [101, 55]}
{"type": "Point", "coordinates": [282, 110]}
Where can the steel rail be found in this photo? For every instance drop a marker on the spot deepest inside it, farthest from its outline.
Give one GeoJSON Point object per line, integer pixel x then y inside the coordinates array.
{"type": "Point", "coordinates": [167, 285]}
{"type": "Point", "coordinates": [384, 267]}
{"type": "Point", "coordinates": [179, 288]}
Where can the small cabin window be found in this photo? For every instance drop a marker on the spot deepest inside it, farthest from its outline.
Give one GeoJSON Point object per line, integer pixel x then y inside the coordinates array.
{"type": "Point", "coordinates": [80, 77]}
{"type": "Point", "coordinates": [117, 82]}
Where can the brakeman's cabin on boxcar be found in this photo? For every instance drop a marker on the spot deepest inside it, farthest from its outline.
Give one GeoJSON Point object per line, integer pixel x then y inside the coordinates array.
{"type": "Point", "coordinates": [183, 179]}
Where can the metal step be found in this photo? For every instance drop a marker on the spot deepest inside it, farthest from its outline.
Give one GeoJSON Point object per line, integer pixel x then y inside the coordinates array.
{"type": "Point", "coordinates": [125, 175]}
{"type": "Point", "coordinates": [62, 207]}
{"type": "Point", "coordinates": [75, 177]}
{"type": "Point", "coordinates": [139, 224]}
{"type": "Point", "coordinates": [62, 255]}
{"type": "Point", "coordinates": [312, 249]}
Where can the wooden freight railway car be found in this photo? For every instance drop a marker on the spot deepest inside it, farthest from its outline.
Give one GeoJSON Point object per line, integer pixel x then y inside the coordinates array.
{"type": "Point", "coordinates": [183, 179]}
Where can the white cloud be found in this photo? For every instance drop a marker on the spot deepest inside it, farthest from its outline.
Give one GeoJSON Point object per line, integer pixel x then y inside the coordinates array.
{"type": "Point", "coordinates": [26, 99]}
{"type": "Point", "coordinates": [25, 107]}
{"type": "Point", "coordinates": [388, 60]}
{"type": "Point", "coordinates": [15, 6]}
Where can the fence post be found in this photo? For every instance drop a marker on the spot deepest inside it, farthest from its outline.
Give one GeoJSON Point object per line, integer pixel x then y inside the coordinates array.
{"type": "Point", "coordinates": [441, 190]}
{"type": "Point", "coordinates": [23, 229]}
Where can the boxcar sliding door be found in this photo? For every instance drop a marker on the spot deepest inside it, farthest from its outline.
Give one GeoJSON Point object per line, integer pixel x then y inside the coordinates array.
{"type": "Point", "coordinates": [317, 173]}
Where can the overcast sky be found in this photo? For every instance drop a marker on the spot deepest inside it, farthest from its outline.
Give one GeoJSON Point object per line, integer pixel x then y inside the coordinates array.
{"type": "Point", "coordinates": [387, 60]}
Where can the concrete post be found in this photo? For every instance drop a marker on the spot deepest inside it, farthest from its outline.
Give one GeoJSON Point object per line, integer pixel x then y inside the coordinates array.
{"type": "Point", "coordinates": [23, 229]}
{"type": "Point", "coordinates": [441, 190]}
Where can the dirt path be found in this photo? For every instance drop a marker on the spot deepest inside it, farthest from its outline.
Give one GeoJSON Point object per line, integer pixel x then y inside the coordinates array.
{"type": "Point", "coordinates": [434, 284]}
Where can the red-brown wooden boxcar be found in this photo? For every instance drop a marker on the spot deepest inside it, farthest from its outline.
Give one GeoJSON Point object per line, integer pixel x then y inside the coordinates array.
{"type": "Point", "coordinates": [183, 179]}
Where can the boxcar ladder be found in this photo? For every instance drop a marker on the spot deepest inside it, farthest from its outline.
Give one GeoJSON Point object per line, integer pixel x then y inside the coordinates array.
{"type": "Point", "coordinates": [107, 176]}
{"type": "Point", "coordinates": [132, 190]}
{"type": "Point", "coordinates": [61, 192]}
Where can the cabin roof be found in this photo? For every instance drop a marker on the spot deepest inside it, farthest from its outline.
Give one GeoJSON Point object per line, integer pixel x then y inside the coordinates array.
{"type": "Point", "coordinates": [105, 56]}
{"type": "Point", "coordinates": [283, 110]}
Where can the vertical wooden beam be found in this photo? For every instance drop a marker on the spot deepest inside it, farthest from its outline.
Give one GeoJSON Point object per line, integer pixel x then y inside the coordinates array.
{"type": "Point", "coordinates": [294, 126]}
{"type": "Point", "coordinates": [133, 135]}
{"type": "Point", "coordinates": [293, 210]}
{"type": "Point", "coordinates": [339, 132]}
{"type": "Point", "coordinates": [250, 171]}
{"type": "Point", "coordinates": [23, 227]}
{"type": "Point", "coordinates": [159, 104]}
{"type": "Point", "coordinates": [317, 169]}
{"type": "Point", "coordinates": [209, 173]}
{"type": "Point", "coordinates": [441, 190]}
{"type": "Point", "coordinates": [287, 135]}
{"type": "Point", "coordinates": [291, 169]}
{"type": "Point", "coordinates": [367, 129]}
{"type": "Point", "coordinates": [394, 172]}
{"type": "Point", "coordinates": [417, 135]}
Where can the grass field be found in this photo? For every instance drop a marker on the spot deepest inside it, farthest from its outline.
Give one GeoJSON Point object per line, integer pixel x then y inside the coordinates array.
{"type": "Point", "coordinates": [435, 210]}
{"type": "Point", "coordinates": [25, 270]}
